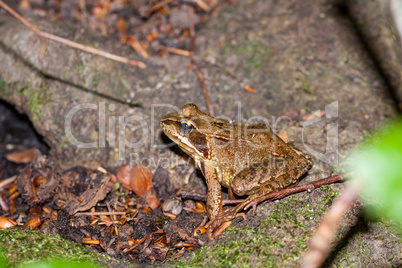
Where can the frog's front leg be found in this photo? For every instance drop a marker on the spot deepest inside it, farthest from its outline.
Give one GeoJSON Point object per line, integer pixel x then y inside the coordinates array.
{"type": "Point", "coordinates": [214, 199]}
{"type": "Point", "coordinates": [214, 193]}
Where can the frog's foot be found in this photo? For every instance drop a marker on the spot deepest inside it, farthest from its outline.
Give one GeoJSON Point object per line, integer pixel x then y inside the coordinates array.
{"type": "Point", "coordinates": [253, 205]}
{"type": "Point", "coordinates": [232, 211]}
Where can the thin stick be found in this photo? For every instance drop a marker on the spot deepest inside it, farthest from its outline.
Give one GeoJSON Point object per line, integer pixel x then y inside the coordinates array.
{"type": "Point", "coordinates": [202, 5]}
{"type": "Point", "coordinates": [82, 6]}
{"type": "Point", "coordinates": [305, 187]}
{"type": "Point", "coordinates": [159, 5]}
{"type": "Point", "coordinates": [195, 68]}
{"type": "Point", "coordinates": [71, 43]}
{"type": "Point", "coordinates": [6, 182]}
{"type": "Point", "coordinates": [272, 196]}
{"type": "Point", "coordinates": [100, 213]}
{"type": "Point", "coordinates": [320, 243]}
{"type": "Point", "coordinates": [204, 89]}
{"type": "Point", "coordinates": [191, 30]}
{"type": "Point", "coordinates": [177, 51]}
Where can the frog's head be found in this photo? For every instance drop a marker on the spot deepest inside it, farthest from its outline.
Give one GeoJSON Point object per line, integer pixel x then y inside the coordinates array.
{"type": "Point", "coordinates": [192, 129]}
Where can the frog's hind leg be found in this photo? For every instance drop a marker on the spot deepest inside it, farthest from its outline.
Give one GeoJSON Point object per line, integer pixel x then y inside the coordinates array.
{"type": "Point", "coordinates": [263, 178]}
{"type": "Point", "coordinates": [267, 176]}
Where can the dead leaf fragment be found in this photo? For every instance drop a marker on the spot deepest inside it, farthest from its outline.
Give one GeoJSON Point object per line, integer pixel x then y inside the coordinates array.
{"type": "Point", "coordinates": [120, 27]}
{"type": "Point", "coordinates": [138, 47]}
{"type": "Point", "coordinates": [6, 223]}
{"type": "Point", "coordinates": [32, 223]}
{"type": "Point", "coordinates": [249, 89]}
{"type": "Point", "coordinates": [91, 186]}
{"type": "Point", "coordinates": [284, 136]}
{"type": "Point", "coordinates": [19, 157]}
{"type": "Point", "coordinates": [24, 5]}
{"type": "Point", "coordinates": [123, 176]}
{"type": "Point", "coordinates": [141, 184]}
{"type": "Point", "coordinates": [152, 36]}
{"type": "Point", "coordinates": [38, 181]}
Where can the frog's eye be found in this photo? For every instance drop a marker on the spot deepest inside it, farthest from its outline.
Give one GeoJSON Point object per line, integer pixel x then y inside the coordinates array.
{"type": "Point", "coordinates": [186, 129]}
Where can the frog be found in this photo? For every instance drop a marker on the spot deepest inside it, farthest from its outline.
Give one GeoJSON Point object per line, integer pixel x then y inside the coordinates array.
{"type": "Point", "coordinates": [248, 159]}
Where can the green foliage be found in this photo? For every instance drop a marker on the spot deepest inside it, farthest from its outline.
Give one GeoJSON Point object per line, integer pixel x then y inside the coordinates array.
{"type": "Point", "coordinates": [378, 164]}
{"type": "Point", "coordinates": [37, 98]}
{"type": "Point", "coordinates": [24, 247]}
{"type": "Point", "coordinates": [59, 264]}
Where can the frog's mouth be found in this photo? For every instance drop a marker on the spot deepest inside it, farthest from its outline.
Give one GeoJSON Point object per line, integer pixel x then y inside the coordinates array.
{"type": "Point", "coordinates": [170, 128]}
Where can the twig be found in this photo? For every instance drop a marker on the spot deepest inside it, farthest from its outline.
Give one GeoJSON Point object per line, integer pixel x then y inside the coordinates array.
{"type": "Point", "coordinates": [177, 51]}
{"type": "Point", "coordinates": [320, 243]}
{"type": "Point", "coordinates": [305, 187]}
{"type": "Point", "coordinates": [204, 90]}
{"type": "Point", "coordinates": [159, 5]}
{"type": "Point", "coordinates": [6, 182]}
{"type": "Point", "coordinates": [191, 30]}
{"type": "Point", "coordinates": [83, 12]}
{"type": "Point", "coordinates": [99, 213]}
{"type": "Point", "coordinates": [193, 62]}
{"type": "Point", "coordinates": [126, 250]}
{"type": "Point", "coordinates": [272, 196]}
{"type": "Point", "coordinates": [202, 5]}
{"type": "Point", "coordinates": [70, 43]}
{"type": "Point", "coordinates": [195, 196]}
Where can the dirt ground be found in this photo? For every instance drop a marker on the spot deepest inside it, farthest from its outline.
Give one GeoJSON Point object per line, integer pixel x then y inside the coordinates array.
{"type": "Point", "coordinates": [299, 56]}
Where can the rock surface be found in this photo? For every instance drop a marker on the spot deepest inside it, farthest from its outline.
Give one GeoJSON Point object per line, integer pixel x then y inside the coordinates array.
{"type": "Point", "coordinates": [299, 56]}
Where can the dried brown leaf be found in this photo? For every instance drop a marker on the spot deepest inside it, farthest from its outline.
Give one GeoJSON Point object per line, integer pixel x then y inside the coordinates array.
{"type": "Point", "coordinates": [6, 223]}
{"type": "Point", "coordinates": [249, 89]}
{"type": "Point", "coordinates": [33, 223]}
{"type": "Point", "coordinates": [90, 186]}
{"type": "Point", "coordinates": [120, 27]}
{"type": "Point", "coordinates": [123, 176]}
{"type": "Point", "coordinates": [138, 48]}
{"type": "Point", "coordinates": [284, 136]}
{"type": "Point", "coordinates": [19, 157]}
{"type": "Point", "coordinates": [141, 184]}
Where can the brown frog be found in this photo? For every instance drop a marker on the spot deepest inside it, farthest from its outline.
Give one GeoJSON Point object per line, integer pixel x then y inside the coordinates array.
{"type": "Point", "coordinates": [248, 159]}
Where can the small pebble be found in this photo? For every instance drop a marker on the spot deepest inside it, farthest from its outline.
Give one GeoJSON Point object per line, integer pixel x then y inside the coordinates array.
{"type": "Point", "coordinates": [173, 205]}
{"type": "Point", "coordinates": [190, 204]}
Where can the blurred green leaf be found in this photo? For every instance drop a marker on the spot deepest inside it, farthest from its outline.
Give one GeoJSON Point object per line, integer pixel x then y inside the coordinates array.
{"type": "Point", "coordinates": [378, 164]}
{"type": "Point", "coordinates": [59, 264]}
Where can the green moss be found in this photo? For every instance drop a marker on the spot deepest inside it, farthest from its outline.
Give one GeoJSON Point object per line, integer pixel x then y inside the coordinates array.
{"type": "Point", "coordinates": [161, 219]}
{"type": "Point", "coordinates": [95, 81]}
{"type": "Point", "coordinates": [37, 98]}
{"type": "Point", "coordinates": [252, 251]}
{"type": "Point", "coordinates": [306, 87]}
{"type": "Point", "coordinates": [329, 194]}
{"type": "Point", "coordinates": [23, 246]}
{"type": "Point", "coordinates": [79, 68]}
{"type": "Point", "coordinates": [275, 241]}
{"type": "Point", "coordinates": [253, 50]}
{"type": "Point", "coordinates": [171, 77]}
{"type": "Point", "coordinates": [5, 89]}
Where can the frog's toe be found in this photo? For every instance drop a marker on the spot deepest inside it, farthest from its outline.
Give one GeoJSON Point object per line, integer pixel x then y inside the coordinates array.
{"type": "Point", "coordinates": [216, 227]}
